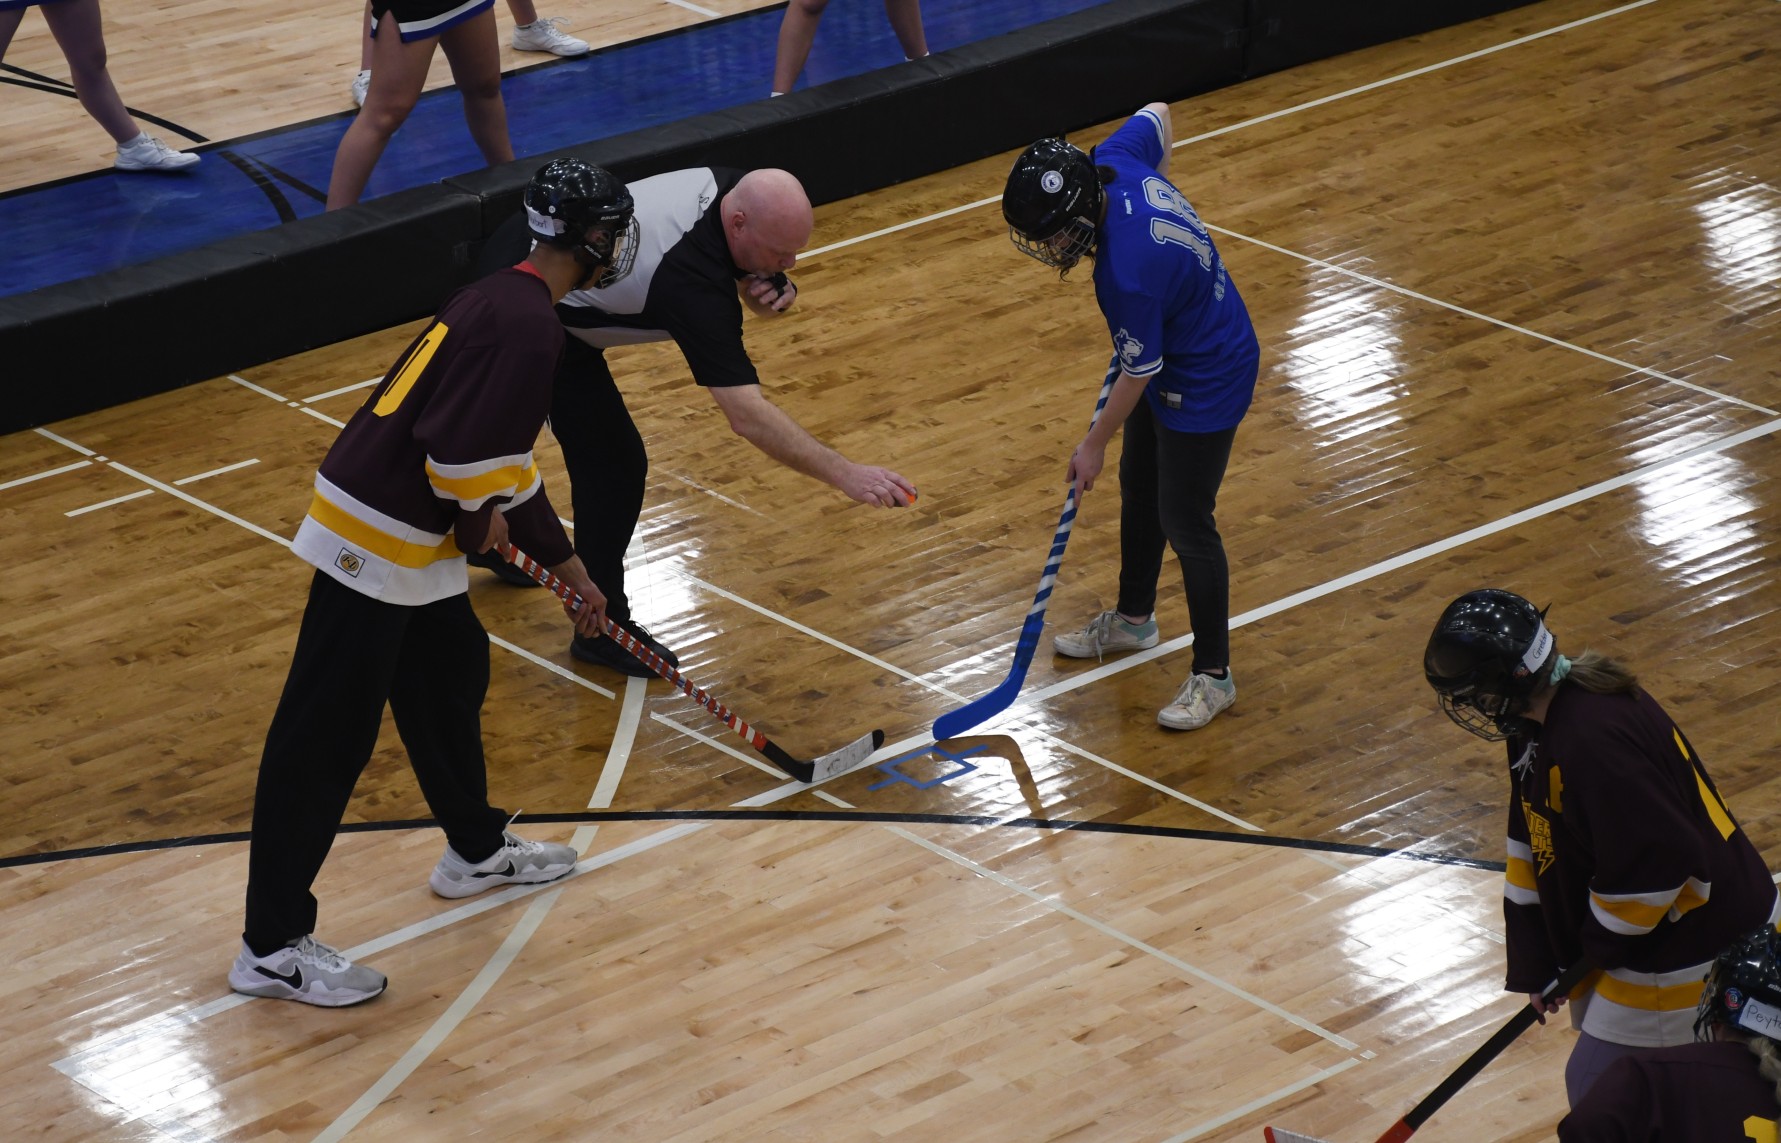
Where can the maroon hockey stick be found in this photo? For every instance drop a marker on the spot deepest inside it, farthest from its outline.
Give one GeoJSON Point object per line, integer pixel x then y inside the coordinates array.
{"type": "Point", "coordinates": [818, 769]}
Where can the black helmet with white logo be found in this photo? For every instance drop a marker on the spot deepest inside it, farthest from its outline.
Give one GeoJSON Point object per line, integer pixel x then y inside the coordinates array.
{"type": "Point", "coordinates": [1053, 203]}
{"type": "Point", "coordinates": [585, 209]}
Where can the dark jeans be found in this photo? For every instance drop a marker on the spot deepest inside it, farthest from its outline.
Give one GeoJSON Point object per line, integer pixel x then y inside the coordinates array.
{"type": "Point", "coordinates": [603, 452]}
{"type": "Point", "coordinates": [354, 654]}
{"type": "Point", "coordinates": [1168, 485]}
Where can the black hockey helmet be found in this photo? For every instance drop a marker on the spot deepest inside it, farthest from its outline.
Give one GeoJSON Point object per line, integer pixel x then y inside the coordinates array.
{"type": "Point", "coordinates": [576, 206]}
{"type": "Point", "coordinates": [1743, 988]}
{"type": "Point", "coordinates": [1053, 203]}
{"type": "Point", "coordinates": [1489, 653]}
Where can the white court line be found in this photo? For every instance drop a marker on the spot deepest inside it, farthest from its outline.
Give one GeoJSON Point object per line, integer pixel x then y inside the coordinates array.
{"type": "Point", "coordinates": [696, 486]}
{"type": "Point", "coordinates": [1134, 776]}
{"type": "Point", "coordinates": [240, 464]}
{"type": "Point", "coordinates": [1413, 556]}
{"type": "Point", "coordinates": [706, 12]}
{"type": "Point", "coordinates": [447, 1023]}
{"type": "Point", "coordinates": [1107, 930]}
{"type": "Point", "coordinates": [910, 225]}
{"type": "Point", "coordinates": [1412, 74]}
{"type": "Point", "coordinates": [624, 735]}
{"type": "Point", "coordinates": [263, 391]}
{"type": "Point", "coordinates": [66, 443]}
{"type": "Point", "coordinates": [1498, 322]}
{"type": "Point", "coordinates": [554, 668]}
{"type": "Point", "coordinates": [342, 389]}
{"type": "Point", "coordinates": [320, 416]}
{"type": "Point", "coordinates": [43, 475]}
{"type": "Point", "coordinates": [616, 756]}
{"type": "Point", "coordinates": [1213, 134]}
{"type": "Point", "coordinates": [197, 503]}
{"type": "Point", "coordinates": [108, 503]}
{"type": "Point", "coordinates": [888, 668]}
{"type": "Point", "coordinates": [1275, 1096]}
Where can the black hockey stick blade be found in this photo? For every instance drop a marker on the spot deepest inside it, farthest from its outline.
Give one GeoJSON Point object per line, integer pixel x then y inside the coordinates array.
{"type": "Point", "coordinates": [826, 766]}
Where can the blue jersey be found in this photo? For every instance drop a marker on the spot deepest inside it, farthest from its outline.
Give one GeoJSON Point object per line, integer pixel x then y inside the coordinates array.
{"type": "Point", "coordinates": [1174, 313]}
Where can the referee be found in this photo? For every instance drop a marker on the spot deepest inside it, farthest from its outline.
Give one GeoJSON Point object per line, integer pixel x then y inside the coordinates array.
{"type": "Point", "coordinates": [710, 240]}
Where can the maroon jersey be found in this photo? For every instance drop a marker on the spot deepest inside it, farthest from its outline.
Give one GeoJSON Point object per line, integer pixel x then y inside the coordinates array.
{"type": "Point", "coordinates": [1695, 1093]}
{"type": "Point", "coordinates": [445, 439]}
{"type": "Point", "coordinates": [1622, 851]}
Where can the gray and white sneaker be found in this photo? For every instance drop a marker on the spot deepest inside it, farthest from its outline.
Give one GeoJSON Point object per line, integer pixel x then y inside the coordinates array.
{"type": "Point", "coordinates": [307, 971]}
{"type": "Point", "coordinates": [543, 35]}
{"type": "Point", "coordinates": [361, 87]}
{"type": "Point", "coordinates": [1106, 632]}
{"type": "Point", "coordinates": [147, 153]}
{"type": "Point", "coordinates": [519, 862]}
{"type": "Point", "coordinates": [1199, 698]}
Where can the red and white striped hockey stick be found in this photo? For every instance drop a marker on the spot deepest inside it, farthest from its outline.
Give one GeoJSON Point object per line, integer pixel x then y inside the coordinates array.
{"type": "Point", "coordinates": [818, 769]}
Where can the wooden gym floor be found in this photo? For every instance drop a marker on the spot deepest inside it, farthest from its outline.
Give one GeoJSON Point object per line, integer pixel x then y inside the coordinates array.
{"type": "Point", "coordinates": [1517, 288]}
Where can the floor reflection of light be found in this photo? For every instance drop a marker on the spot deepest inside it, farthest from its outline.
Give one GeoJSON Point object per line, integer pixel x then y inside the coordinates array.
{"type": "Point", "coordinates": [1697, 515]}
{"type": "Point", "coordinates": [1743, 234]}
{"type": "Point", "coordinates": [1343, 359]}
{"type": "Point", "coordinates": [1415, 925]}
{"type": "Point", "coordinates": [150, 1075]}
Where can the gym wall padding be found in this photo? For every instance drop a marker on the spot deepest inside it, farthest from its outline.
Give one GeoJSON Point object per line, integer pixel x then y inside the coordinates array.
{"type": "Point", "coordinates": [258, 297]}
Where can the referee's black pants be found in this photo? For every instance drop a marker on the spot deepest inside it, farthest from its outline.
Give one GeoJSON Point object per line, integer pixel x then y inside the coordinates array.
{"type": "Point", "coordinates": [1168, 487]}
{"type": "Point", "coordinates": [603, 452]}
{"type": "Point", "coordinates": [354, 654]}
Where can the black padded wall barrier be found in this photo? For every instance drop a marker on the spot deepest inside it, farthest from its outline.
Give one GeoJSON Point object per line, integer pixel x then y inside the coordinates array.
{"type": "Point", "coordinates": [258, 297]}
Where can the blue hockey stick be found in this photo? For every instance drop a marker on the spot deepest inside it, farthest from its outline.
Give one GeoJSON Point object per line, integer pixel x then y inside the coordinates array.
{"type": "Point", "coordinates": [985, 707]}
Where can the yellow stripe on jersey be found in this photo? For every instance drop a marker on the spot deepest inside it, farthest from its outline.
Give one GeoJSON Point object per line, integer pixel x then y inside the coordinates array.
{"type": "Point", "coordinates": [379, 542]}
{"type": "Point", "coordinates": [1651, 997]}
{"type": "Point", "coordinates": [1722, 821]}
{"type": "Point", "coordinates": [507, 480]}
{"type": "Point", "coordinates": [1694, 894]}
{"type": "Point", "coordinates": [1631, 914]}
{"type": "Point", "coordinates": [411, 369]}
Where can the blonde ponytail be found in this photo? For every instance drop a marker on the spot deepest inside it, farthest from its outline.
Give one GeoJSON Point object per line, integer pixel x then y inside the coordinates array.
{"type": "Point", "coordinates": [1595, 672]}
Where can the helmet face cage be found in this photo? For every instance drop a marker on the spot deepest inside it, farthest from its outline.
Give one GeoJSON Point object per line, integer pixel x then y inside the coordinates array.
{"type": "Point", "coordinates": [1489, 653]}
{"type": "Point", "coordinates": [1062, 250]}
{"type": "Point", "coordinates": [1491, 717]}
{"type": "Point", "coordinates": [1743, 989]}
{"type": "Point", "coordinates": [615, 248]}
{"type": "Point", "coordinates": [576, 206]}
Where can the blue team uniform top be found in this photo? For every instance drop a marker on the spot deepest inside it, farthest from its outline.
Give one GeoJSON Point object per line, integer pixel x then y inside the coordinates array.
{"type": "Point", "coordinates": [1174, 313]}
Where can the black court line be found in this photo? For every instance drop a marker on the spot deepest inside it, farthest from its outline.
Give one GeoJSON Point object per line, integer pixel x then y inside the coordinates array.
{"type": "Point", "coordinates": [590, 818]}
{"type": "Point", "coordinates": [274, 196]}
{"type": "Point", "coordinates": [58, 87]}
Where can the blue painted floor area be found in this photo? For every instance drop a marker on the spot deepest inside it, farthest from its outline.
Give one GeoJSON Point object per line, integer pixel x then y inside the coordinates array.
{"type": "Point", "coordinates": [119, 219]}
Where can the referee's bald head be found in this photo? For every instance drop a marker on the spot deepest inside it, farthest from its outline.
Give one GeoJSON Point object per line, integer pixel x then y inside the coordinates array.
{"type": "Point", "coordinates": [767, 220]}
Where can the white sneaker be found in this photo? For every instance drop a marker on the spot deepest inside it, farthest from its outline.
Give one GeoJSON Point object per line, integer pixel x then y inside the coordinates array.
{"type": "Point", "coordinates": [1199, 698]}
{"type": "Point", "coordinates": [361, 86]}
{"type": "Point", "coordinates": [1106, 632]}
{"type": "Point", "coordinates": [147, 153]}
{"type": "Point", "coordinates": [543, 35]}
{"type": "Point", "coordinates": [307, 971]}
{"type": "Point", "coordinates": [519, 862]}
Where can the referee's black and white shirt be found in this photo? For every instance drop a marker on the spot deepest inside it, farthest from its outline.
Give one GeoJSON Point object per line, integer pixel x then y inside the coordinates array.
{"type": "Point", "coordinates": [683, 285]}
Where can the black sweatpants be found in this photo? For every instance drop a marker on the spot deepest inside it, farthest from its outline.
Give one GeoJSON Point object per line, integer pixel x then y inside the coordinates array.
{"type": "Point", "coordinates": [603, 452]}
{"type": "Point", "coordinates": [1168, 487]}
{"type": "Point", "coordinates": [354, 654]}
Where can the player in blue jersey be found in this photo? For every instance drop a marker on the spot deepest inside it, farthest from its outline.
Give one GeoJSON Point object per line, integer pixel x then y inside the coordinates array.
{"type": "Point", "coordinates": [1188, 358]}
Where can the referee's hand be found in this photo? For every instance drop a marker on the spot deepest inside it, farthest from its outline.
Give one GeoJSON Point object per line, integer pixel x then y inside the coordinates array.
{"type": "Point", "coordinates": [773, 294]}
